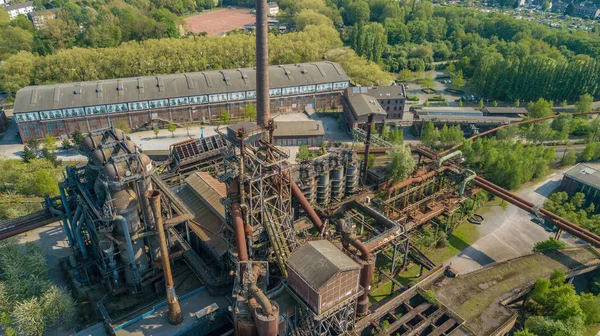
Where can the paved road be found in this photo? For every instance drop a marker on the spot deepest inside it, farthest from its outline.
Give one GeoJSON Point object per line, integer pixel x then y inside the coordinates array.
{"type": "Point", "coordinates": [510, 233]}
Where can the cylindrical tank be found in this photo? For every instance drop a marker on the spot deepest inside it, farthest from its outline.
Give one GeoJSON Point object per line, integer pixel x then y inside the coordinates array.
{"type": "Point", "coordinates": [323, 185]}
{"type": "Point", "coordinates": [337, 178]}
{"type": "Point", "coordinates": [125, 203]}
{"type": "Point", "coordinates": [352, 171]}
{"type": "Point", "coordinates": [267, 325]}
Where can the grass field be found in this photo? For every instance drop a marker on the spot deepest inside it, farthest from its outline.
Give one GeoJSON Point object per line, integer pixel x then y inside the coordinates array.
{"type": "Point", "coordinates": [462, 237]}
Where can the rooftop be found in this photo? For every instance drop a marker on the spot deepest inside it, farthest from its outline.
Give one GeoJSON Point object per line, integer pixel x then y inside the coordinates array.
{"type": "Point", "coordinates": [298, 128]}
{"type": "Point", "coordinates": [51, 11]}
{"type": "Point", "coordinates": [451, 109]}
{"type": "Point", "coordinates": [135, 89]}
{"type": "Point", "coordinates": [363, 104]}
{"type": "Point", "coordinates": [379, 92]}
{"type": "Point", "coordinates": [318, 261]}
{"type": "Point", "coordinates": [505, 110]}
{"type": "Point", "coordinates": [16, 6]}
{"type": "Point", "coordinates": [210, 190]}
{"type": "Point", "coordinates": [467, 119]}
{"type": "Point", "coordinates": [585, 174]}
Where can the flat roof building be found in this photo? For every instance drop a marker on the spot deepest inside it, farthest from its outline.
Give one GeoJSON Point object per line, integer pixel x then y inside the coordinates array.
{"type": "Point", "coordinates": [139, 102]}
{"type": "Point", "coordinates": [298, 133]}
{"type": "Point", "coordinates": [504, 111]}
{"type": "Point", "coordinates": [582, 178]}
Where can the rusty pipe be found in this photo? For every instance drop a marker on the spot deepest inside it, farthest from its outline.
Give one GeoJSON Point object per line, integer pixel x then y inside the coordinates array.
{"type": "Point", "coordinates": [305, 204]}
{"type": "Point", "coordinates": [238, 221]}
{"type": "Point", "coordinates": [366, 273]}
{"type": "Point", "coordinates": [418, 178]}
{"type": "Point", "coordinates": [262, 299]}
{"type": "Point", "coordinates": [174, 310]}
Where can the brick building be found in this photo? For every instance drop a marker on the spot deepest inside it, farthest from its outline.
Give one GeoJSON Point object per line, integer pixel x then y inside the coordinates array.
{"type": "Point", "coordinates": [60, 109]}
{"type": "Point", "coordinates": [386, 102]}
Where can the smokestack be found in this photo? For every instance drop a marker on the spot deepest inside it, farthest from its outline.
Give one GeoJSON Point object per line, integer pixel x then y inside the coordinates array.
{"type": "Point", "coordinates": [175, 316]}
{"type": "Point", "coordinates": [367, 147]}
{"type": "Point", "coordinates": [263, 114]}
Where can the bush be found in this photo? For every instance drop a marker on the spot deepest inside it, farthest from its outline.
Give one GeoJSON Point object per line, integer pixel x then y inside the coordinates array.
{"type": "Point", "coordinates": [442, 242]}
{"type": "Point", "coordinates": [436, 98]}
{"type": "Point", "coordinates": [549, 245]}
{"type": "Point", "coordinates": [429, 296]}
{"type": "Point", "coordinates": [66, 144]}
{"type": "Point", "coordinates": [412, 98]}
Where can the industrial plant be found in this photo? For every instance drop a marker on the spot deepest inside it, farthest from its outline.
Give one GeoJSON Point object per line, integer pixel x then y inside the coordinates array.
{"type": "Point", "coordinates": [226, 236]}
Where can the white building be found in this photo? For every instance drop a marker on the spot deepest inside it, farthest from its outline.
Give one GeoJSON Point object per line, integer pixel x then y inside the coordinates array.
{"type": "Point", "coordinates": [19, 8]}
{"type": "Point", "coordinates": [273, 8]}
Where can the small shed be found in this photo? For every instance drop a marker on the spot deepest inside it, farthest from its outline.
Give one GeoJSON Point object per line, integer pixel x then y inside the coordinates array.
{"type": "Point", "coordinates": [322, 275]}
{"type": "Point", "coordinates": [298, 133]}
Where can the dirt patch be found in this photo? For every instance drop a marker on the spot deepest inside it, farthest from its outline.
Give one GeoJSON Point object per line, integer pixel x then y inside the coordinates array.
{"type": "Point", "coordinates": [219, 22]}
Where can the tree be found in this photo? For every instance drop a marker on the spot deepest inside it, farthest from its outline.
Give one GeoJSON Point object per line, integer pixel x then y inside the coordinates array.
{"type": "Point", "coordinates": [480, 104]}
{"type": "Point", "coordinates": [66, 144]}
{"type": "Point", "coordinates": [495, 103]}
{"type": "Point", "coordinates": [172, 128]}
{"type": "Point", "coordinates": [385, 131]}
{"type": "Point", "coordinates": [77, 138]}
{"type": "Point", "coordinates": [224, 116]}
{"type": "Point", "coordinates": [49, 143]}
{"type": "Point", "coordinates": [569, 159]}
{"type": "Point", "coordinates": [28, 154]}
{"type": "Point", "coordinates": [539, 109]}
{"type": "Point", "coordinates": [155, 129]}
{"type": "Point", "coordinates": [250, 111]}
{"type": "Point", "coordinates": [358, 12]}
{"type": "Point", "coordinates": [58, 306]}
{"type": "Point", "coordinates": [428, 81]}
{"type": "Point", "coordinates": [303, 153]}
{"type": "Point", "coordinates": [385, 324]}
{"type": "Point", "coordinates": [589, 152]}
{"type": "Point", "coordinates": [564, 103]}
{"type": "Point", "coordinates": [430, 135]}
{"type": "Point", "coordinates": [460, 103]}
{"type": "Point", "coordinates": [426, 103]}
{"type": "Point", "coordinates": [458, 81]}
{"type": "Point", "coordinates": [308, 17]}
{"type": "Point", "coordinates": [29, 317]}
{"type": "Point", "coordinates": [584, 104]}
{"type": "Point", "coordinates": [524, 332]}
{"type": "Point", "coordinates": [4, 17]}
{"type": "Point", "coordinates": [517, 103]}
{"type": "Point", "coordinates": [405, 75]}
{"type": "Point", "coordinates": [401, 163]}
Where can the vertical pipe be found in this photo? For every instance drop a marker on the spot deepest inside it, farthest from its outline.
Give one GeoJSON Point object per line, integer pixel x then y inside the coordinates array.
{"type": "Point", "coordinates": [367, 147]}
{"type": "Point", "coordinates": [262, 64]}
{"type": "Point", "coordinates": [175, 316]}
{"type": "Point", "coordinates": [63, 199]}
{"type": "Point", "coordinates": [79, 234]}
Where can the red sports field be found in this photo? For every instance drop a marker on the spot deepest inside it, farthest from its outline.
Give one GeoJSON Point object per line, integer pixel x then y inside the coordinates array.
{"type": "Point", "coordinates": [220, 21]}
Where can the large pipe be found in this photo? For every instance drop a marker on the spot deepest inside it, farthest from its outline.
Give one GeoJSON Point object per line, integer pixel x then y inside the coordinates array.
{"type": "Point", "coordinates": [175, 316]}
{"type": "Point", "coordinates": [471, 176]}
{"type": "Point", "coordinates": [262, 64]}
{"type": "Point", "coordinates": [367, 146]}
{"type": "Point", "coordinates": [305, 204]}
{"type": "Point", "coordinates": [79, 235]}
{"type": "Point", "coordinates": [418, 178]}
{"type": "Point", "coordinates": [238, 221]}
{"type": "Point", "coordinates": [366, 274]}
{"type": "Point", "coordinates": [123, 222]}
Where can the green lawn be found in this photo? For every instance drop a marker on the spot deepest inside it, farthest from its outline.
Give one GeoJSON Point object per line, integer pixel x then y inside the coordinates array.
{"type": "Point", "coordinates": [465, 235]}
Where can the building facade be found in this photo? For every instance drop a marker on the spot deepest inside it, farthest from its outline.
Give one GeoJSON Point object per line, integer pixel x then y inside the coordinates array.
{"type": "Point", "coordinates": [273, 8]}
{"type": "Point", "coordinates": [142, 102]}
{"type": "Point", "coordinates": [385, 102]}
{"type": "Point", "coordinates": [40, 18]}
{"type": "Point", "coordinates": [298, 133]}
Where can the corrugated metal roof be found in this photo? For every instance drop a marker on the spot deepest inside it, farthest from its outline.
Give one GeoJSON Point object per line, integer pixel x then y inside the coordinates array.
{"type": "Point", "coordinates": [298, 128]}
{"type": "Point", "coordinates": [585, 174]}
{"type": "Point", "coordinates": [136, 89]}
{"type": "Point", "coordinates": [363, 104]}
{"type": "Point", "coordinates": [209, 190]}
{"type": "Point", "coordinates": [451, 109]}
{"type": "Point", "coordinates": [206, 225]}
{"type": "Point", "coordinates": [318, 261]}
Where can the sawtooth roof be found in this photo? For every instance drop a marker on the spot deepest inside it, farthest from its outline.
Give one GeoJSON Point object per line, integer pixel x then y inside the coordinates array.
{"type": "Point", "coordinates": [134, 89]}
{"type": "Point", "coordinates": [316, 262]}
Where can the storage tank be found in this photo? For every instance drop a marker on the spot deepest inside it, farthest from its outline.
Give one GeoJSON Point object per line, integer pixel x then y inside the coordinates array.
{"type": "Point", "coordinates": [307, 182]}
{"type": "Point", "coordinates": [337, 177]}
{"type": "Point", "coordinates": [352, 172]}
{"type": "Point", "coordinates": [323, 185]}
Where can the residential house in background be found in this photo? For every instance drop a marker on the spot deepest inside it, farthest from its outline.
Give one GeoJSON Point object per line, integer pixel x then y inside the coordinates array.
{"type": "Point", "coordinates": [40, 18]}
{"type": "Point", "coordinates": [19, 8]}
{"type": "Point", "coordinates": [273, 8]}
{"type": "Point", "coordinates": [586, 11]}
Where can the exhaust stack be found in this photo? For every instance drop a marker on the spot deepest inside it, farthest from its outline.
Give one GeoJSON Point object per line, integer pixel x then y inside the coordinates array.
{"type": "Point", "coordinates": [175, 316]}
{"type": "Point", "coordinates": [262, 64]}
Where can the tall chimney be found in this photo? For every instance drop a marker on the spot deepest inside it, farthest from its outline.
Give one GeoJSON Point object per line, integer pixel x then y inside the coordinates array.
{"type": "Point", "coordinates": [175, 316]}
{"type": "Point", "coordinates": [263, 114]}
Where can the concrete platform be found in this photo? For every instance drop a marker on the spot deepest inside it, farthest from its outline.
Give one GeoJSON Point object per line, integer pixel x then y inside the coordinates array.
{"type": "Point", "coordinates": [155, 322]}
